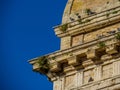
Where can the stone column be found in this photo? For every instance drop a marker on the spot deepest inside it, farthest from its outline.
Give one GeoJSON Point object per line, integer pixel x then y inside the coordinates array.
{"type": "Point", "coordinates": [80, 78]}
{"type": "Point", "coordinates": [116, 68]}
{"type": "Point", "coordinates": [62, 83]}
{"type": "Point", "coordinates": [57, 85]}
{"type": "Point", "coordinates": [76, 80]}
{"type": "Point", "coordinates": [98, 73]}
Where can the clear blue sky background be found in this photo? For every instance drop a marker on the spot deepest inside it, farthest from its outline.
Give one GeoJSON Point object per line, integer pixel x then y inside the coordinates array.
{"type": "Point", "coordinates": [25, 33]}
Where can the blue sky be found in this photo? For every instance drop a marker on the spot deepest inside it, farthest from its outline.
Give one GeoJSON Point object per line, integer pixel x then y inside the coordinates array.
{"type": "Point", "coordinates": [25, 33]}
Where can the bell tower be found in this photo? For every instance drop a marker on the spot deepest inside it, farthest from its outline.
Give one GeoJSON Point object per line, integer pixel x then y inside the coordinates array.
{"type": "Point", "coordinates": [89, 57]}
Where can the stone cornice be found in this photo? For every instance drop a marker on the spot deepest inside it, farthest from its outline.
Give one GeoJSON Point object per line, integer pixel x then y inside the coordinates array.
{"type": "Point", "coordinates": [81, 46]}
{"type": "Point", "coordinates": [90, 23]}
{"type": "Point", "coordinates": [68, 52]}
{"type": "Point", "coordinates": [115, 18]}
{"type": "Point", "coordinates": [85, 54]}
{"type": "Point", "coordinates": [75, 55]}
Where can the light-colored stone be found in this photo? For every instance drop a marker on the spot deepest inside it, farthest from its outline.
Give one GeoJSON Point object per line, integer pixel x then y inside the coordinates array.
{"type": "Point", "coordinates": [77, 40]}
{"type": "Point", "coordinates": [112, 49]}
{"type": "Point", "coordinates": [65, 42]}
{"type": "Point", "coordinates": [55, 67]}
{"type": "Point", "coordinates": [73, 60]}
{"type": "Point", "coordinates": [91, 54]}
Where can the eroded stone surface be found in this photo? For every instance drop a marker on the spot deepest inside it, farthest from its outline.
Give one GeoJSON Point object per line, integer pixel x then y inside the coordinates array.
{"type": "Point", "coordinates": [89, 57]}
{"type": "Point", "coordinates": [80, 6]}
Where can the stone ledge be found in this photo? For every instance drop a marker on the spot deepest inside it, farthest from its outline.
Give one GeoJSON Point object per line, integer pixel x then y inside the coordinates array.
{"type": "Point", "coordinates": [95, 22]}
{"type": "Point", "coordinates": [83, 48]}
{"type": "Point", "coordinates": [81, 52]}
{"type": "Point", "coordinates": [84, 45]}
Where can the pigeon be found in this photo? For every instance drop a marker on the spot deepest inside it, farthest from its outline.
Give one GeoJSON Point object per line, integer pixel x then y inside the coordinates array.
{"type": "Point", "coordinates": [72, 19]}
{"type": "Point", "coordinates": [100, 36]}
{"type": "Point", "coordinates": [111, 32]}
{"type": "Point", "coordinates": [118, 29]}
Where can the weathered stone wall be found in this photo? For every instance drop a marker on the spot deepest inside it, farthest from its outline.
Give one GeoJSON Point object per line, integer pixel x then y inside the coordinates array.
{"type": "Point", "coordinates": [77, 40]}
{"type": "Point", "coordinates": [101, 32]}
{"type": "Point", "coordinates": [103, 77]}
{"type": "Point", "coordinates": [69, 41]}
{"type": "Point", "coordinates": [89, 67]}
{"type": "Point", "coordinates": [94, 5]}
{"type": "Point", "coordinates": [66, 42]}
{"type": "Point", "coordinates": [80, 6]}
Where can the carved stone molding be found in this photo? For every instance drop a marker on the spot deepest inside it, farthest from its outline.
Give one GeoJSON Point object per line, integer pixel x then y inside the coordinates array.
{"type": "Point", "coordinates": [55, 67]}
{"type": "Point", "coordinates": [91, 54]}
{"type": "Point", "coordinates": [73, 60]}
{"type": "Point", "coordinates": [106, 57]}
{"type": "Point", "coordinates": [36, 66]}
{"type": "Point", "coordinates": [111, 49]}
{"type": "Point", "coordinates": [68, 68]}
{"type": "Point", "coordinates": [87, 63]}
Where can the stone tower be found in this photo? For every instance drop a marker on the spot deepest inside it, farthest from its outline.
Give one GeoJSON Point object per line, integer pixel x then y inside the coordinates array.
{"type": "Point", "coordinates": [89, 58]}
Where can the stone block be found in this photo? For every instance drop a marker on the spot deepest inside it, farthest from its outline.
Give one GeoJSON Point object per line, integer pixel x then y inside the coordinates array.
{"type": "Point", "coordinates": [91, 54]}
{"type": "Point", "coordinates": [87, 63]}
{"type": "Point", "coordinates": [69, 68]}
{"type": "Point", "coordinates": [77, 40]}
{"type": "Point", "coordinates": [65, 42]}
{"type": "Point", "coordinates": [36, 66]}
{"type": "Point", "coordinates": [106, 57]}
{"type": "Point", "coordinates": [73, 60]}
{"type": "Point", "coordinates": [55, 67]}
{"type": "Point", "coordinates": [111, 49]}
